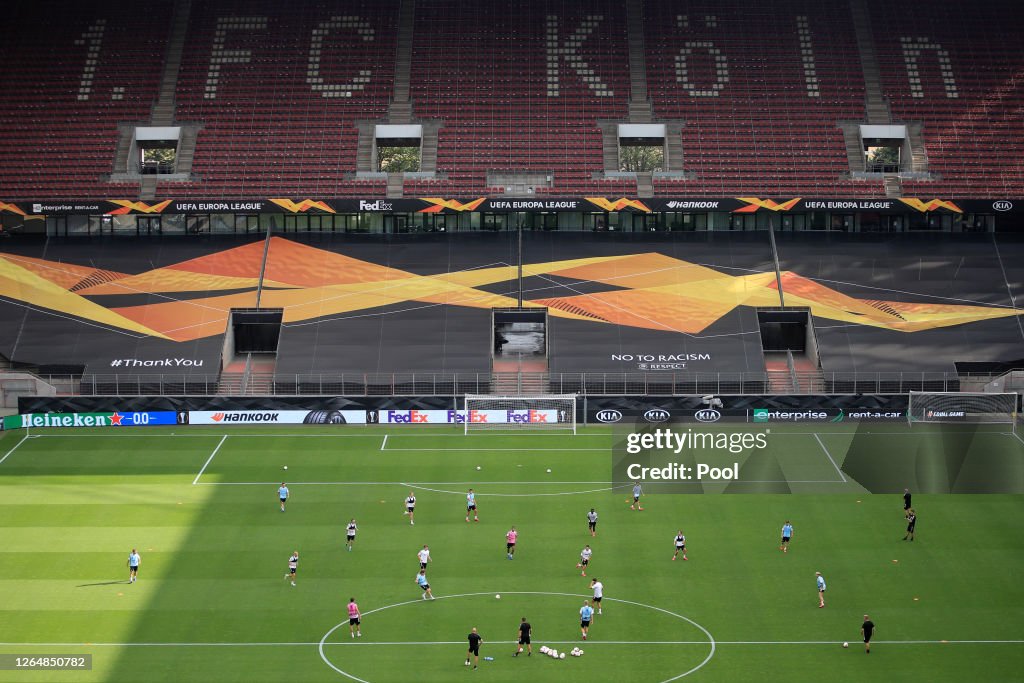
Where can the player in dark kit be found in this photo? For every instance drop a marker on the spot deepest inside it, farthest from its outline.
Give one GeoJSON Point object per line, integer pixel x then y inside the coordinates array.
{"type": "Point", "coordinates": [525, 631]}
{"type": "Point", "coordinates": [906, 499]}
{"type": "Point", "coordinates": [911, 523]}
{"type": "Point", "coordinates": [866, 629]}
{"type": "Point", "coordinates": [474, 647]}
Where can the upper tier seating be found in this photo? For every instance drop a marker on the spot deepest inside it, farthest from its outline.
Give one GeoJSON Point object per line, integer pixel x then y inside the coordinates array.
{"type": "Point", "coordinates": [958, 71]}
{"type": "Point", "coordinates": [71, 72]}
{"type": "Point", "coordinates": [278, 91]}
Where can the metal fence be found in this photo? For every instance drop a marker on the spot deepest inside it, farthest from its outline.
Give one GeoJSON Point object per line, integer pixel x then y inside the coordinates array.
{"type": "Point", "coordinates": [441, 384]}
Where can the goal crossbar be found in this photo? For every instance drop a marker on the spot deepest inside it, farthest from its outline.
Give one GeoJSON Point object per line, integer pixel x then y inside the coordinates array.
{"type": "Point", "coordinates": [540, 411]}
{"type": "Point", "coordinates": [925, 406]}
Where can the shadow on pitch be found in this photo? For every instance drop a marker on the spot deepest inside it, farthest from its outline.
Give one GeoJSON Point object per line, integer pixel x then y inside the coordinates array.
{"type": "Point", "coordinates": [101, 583]}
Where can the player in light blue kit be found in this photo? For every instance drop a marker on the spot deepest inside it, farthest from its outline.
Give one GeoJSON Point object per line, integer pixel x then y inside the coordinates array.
{"type": "Point", "coordinates": [421, 581]}
{"type": "Point", "coordinates": [787, 534]}
{"type": "Point", "coordinates": [471, 506]}
{"type": "Point", "coordinates": [821, 589]}
{"type": "Point", "coordinates": [133, 566]}
{"type": "Point", "coordinates": [637, 492]}
{"type": "Point", "coordinates": [586, 614]}
{"type": "Point", "coordinates": [282, 493]}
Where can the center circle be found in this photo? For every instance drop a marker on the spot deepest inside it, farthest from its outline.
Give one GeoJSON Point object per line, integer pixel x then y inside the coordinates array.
{"type": "Point", "coordinates": [711, 639]}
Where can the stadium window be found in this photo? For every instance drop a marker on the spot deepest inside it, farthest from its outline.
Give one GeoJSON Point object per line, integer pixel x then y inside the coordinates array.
{"type": "Point", "coordinates": [247, 223]}
{"type": "Point", "coordinates": [149, 225]}
{"type": "Point", "coordinates": [172, 224]}
{"type": "Point", "coordinates": [195, 225]}
{"type": "Point", "coordinates": [157, 157]}
{"type": "Point", "coordinates": [55, 225]}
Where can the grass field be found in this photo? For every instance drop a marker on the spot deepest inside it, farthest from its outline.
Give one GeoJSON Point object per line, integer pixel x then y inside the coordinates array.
{"type": "Point", "coordinates": [211, 603]}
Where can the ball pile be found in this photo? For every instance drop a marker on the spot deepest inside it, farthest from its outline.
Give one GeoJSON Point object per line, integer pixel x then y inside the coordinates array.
{"type": "Point", "coordinates": [576, 652]}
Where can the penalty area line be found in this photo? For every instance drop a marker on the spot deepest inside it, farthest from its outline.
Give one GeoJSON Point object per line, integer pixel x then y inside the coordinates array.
{"type": "Point", "coordinates": [384, 443]}
{"type": "Point", "coordinates": [829, 456]}
{"type": "Point", "coordinates": [208, 460]}
{"type": "Point", "coordinates": [7, 455]}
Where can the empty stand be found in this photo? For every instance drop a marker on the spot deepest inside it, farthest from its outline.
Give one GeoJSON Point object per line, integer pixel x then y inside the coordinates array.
{"type": "Point", "coordinates": [762, 88]}
{"type": "Point", "coordinates": [959, 72]}
{"type": "Point", "coordinates": [278, 112]}
{"type": "Point", "coordinates": [71, 72]}
{"type": "Point", "coordinates": [114, 308]}
{"type": "Point", "coordinates": [908, 303]}
{"type": "Point", "coordinates": [277, 91]}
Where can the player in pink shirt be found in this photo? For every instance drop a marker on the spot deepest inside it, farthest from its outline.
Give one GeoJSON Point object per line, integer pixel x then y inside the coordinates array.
{"type": "Point", "coordinates": [510, 542]}
{"type": "Point", "coordinates": [353, 618]}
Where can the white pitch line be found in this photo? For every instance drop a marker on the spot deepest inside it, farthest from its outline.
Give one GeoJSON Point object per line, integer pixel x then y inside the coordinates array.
{"type": "Point", "coordinates": [505, 483]}
{"type": "Point", "coordinates": [384, 443]}
{"type": "Point", "coordinates": [502, 450]}
{"type": "Point", "coordinates": [1013, 434]}
{"type": "Point", "coordinates": [14, 449]}
{"type": "Point", "coordinates": [829, 455]}
{"type": "Point", "coordinates": [222, 440]}
{"type": "Point", "coordinates": [512, 642]}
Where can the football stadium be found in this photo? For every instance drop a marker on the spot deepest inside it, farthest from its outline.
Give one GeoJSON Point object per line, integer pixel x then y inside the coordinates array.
{"type": "Point", "coordinates": [397, 340]}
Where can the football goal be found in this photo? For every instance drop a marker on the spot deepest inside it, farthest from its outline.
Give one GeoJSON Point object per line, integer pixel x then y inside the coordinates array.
{"type": "Point", "coordinates": [553, 411]}
{"type": "Point", "coordinates": [962, 407]}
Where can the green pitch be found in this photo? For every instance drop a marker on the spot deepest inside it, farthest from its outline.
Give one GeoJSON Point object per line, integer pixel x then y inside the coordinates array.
{"type": "Point", "coordinates": [212, 603]}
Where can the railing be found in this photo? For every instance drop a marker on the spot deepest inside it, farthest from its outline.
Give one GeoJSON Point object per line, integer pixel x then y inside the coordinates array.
{"type": "Point", "coordinates": [591, 383]}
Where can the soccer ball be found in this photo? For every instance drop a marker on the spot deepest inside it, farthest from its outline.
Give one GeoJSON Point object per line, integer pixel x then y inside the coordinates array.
{"type": "Point", "coordinates": [549, 470]}
{"type": "Point", "coordinates": [846, 645]}
{"type": "Point", "coordinates": [285, 467]}
{"type": "Point", "coordinates": [478, 468]}
{"type": "Point", "coordinates": [561, 655]}
{"type": "Point", "coordinates": [543, 649]}
{"type": "Point", "coordinates": [497, 596]}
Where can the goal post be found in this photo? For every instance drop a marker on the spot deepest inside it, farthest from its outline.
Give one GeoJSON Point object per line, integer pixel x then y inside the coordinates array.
{"type": "Point", "coordinates": [541, 412]}
{"type": "Point", "coordinates": [925, 406]}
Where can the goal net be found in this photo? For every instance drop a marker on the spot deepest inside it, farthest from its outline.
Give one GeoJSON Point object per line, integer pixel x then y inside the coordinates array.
{"type": "Point", "coordinates": [553, 411]}
{"type": "Point", "coordinates": [962, 407]}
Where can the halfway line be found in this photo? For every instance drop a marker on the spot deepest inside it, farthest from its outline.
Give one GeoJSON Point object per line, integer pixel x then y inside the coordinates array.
{"type": "Point", "coordinates": [512, 642]}
{"type": "Point", "coordinates": [222, 440]}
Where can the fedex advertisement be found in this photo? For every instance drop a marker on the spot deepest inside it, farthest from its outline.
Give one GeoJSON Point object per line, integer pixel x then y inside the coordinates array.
{"type": "Point", "coordinates": [525, 416]}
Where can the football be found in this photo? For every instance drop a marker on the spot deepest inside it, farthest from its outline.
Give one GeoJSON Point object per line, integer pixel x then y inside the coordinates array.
{"type": "Point", "coordinates": [846, 645]}
{"type": "Point", "coordinates": [285, 467]}
{"type": "Point", "coordinates": [561, 655]}
{"type": "Point", "coordinates": [549, 470]}
{"type": "Point", "coordinates": [498, 596]}
{"type": "Point", "coordinates": [478, 468]}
